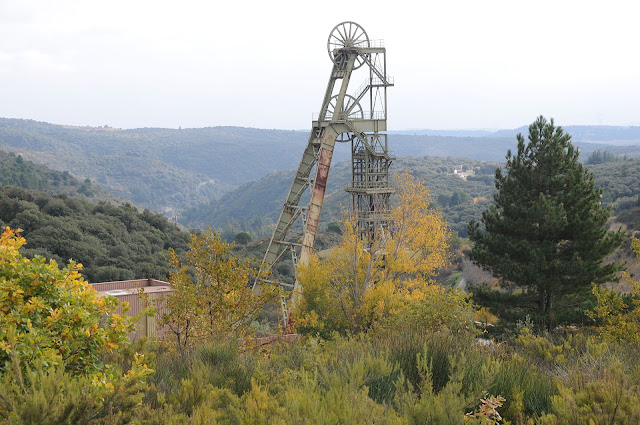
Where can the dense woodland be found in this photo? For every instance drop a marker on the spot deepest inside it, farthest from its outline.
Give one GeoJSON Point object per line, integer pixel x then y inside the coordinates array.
{"type": "Point", "coordinates": [250, 206]}
{"type": "Point", "coordinates": [112, 242]}
{"type": "Point", "coordinates": [254, 207]}
{"type": "Point", "coordinates": [172, 170]}
{"type": "Point", "coordinates": [462, 197]}
{"type": "Point", "coordinates": [162, 169]}
{"type": "Point", "coordinates": [16, 171]}
{"type": "Point", "coordinates": [379, 338]}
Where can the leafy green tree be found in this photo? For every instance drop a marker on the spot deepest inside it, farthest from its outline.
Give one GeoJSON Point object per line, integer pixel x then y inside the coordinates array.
{"type": "Point", "coordinates": [212, 297]}
{"type": "Point", "coordinates": [547, 230]}
{"type": "Point", "coordinates": [458, 198]}
{"type": "Point", "coordinates": [600, 157]}
{"type": "Point", "coordinates": [51, 315]}
{"type": "Point", "coordinates": [242, 238]}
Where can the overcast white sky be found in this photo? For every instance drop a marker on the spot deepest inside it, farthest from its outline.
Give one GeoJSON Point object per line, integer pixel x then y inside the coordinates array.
{"type": "Point", "coordinates": [456, 64]}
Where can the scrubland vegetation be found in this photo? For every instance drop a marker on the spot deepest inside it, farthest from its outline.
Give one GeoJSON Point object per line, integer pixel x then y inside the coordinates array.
{"type": "Point", "coordinates": [425, 364]}
{"type": "Point", "coordinates": [379, 341]}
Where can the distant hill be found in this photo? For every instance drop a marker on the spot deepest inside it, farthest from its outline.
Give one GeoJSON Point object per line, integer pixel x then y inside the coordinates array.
{"type": "Point", "coordinates": [162, 169]}
{"type": "Point", "coordinates": [16, 171]}
{"type": "Point", "coordinates": [462, 196]}
{"type": "Point", "coordinates": [447, 133]}
{"type": "Point", "coordinates": [256, 204]}
{"type": "Point", "coordinates": [580, 133]}
{"type": "Point", "coordinates": [620, 182]}
{"type": "Point", "coordinates": [170, 171]}
{"type": "Point", "coordinates": [112, 242]}
{"type": "Point", "coordinates": [484, 148]}
{"type": "Point", "coordinates": [602, 134]}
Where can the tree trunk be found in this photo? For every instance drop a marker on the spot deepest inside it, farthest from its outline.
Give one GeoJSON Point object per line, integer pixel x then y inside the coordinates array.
{"type": "Point", "coordinates": [543, 301]}
{"type": "Point", "coordinates": [549, 303]}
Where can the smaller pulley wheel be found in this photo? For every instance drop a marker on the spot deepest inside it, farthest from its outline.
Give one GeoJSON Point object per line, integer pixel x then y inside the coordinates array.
{"type": "Point", "coordinates": [351, 109]}
{"type": "Point", "coordinates": [345, 137]}
{"type": "Point", "coordinates": [347, 35]}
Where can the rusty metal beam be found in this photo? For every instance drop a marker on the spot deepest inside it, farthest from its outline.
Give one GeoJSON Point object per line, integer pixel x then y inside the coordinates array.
{"type": "Point", "coordinates": [349, 49]}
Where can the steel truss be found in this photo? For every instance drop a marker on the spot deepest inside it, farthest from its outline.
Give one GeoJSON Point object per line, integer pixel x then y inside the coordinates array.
{"type": "Point", "coordinates": [360, 119]}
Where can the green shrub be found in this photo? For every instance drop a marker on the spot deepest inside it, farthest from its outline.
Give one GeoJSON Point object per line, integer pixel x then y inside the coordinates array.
{"type": "Point", "coordinates": [225, 366]}
{"type": "Point", "coordinates": [527, 391]}
{"type": "Point", "coordinates": [334, 227]}
{"type": "Point", "coordinates": [242, 238]}
{"type": "Point", "coordinates": [55, 396]}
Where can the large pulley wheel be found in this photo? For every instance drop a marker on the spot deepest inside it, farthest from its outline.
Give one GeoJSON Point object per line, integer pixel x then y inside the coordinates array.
{"type": "Point", "coordinates": [343, 36]}
{"type": "Point", "coordinates": [351, 109]}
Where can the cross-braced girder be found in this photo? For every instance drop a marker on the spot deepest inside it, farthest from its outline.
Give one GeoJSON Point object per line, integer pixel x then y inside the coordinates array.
{"type": "Point", "coordinates": [360, 119]}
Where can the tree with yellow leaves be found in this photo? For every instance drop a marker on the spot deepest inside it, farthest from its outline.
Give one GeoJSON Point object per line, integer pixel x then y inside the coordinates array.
{"type": "Point", "coordinates": [361, 282]}
{"type": "Point", "coordinates": [54, 332]}
{"type": "Point", "coordinates": [212, 297]}
{"type": "Point", "coordinates": [619, 319]}
{"type": "Point", "coordinates": [52, 316]}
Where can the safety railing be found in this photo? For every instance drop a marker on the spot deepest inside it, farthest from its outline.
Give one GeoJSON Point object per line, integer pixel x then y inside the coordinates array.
{"type": "Point", "coordinates": [376, 43]}
{"type": "Point", "coordinates": [369, 185]}
{"type": "Point", "coordinates": [374, 82]}
{"type": "Point", "coordinates": [369, 115]}
{"type": "Point", "coordinates": [377, 150]}
{"type": "Point", "coordinates": [373, 215]}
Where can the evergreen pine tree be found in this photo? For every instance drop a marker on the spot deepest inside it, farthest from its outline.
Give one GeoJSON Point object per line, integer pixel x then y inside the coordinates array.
{"type": "Point", "coordinates": [547, 230]}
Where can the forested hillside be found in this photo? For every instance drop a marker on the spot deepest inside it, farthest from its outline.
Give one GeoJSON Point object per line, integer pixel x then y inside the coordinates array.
{"type": "Point", "coordinates": [112, 242]}
{"type": "Point", "coordinates": [162, 169]}
{"type": "Point", "coordinates": [462, 196]}
{"type": "Point", "coordinates": [621, 135]}
{"type": "Point", "coordinates": [16, 171]}
{"type": "Point", "coordinates": [614, 135]}
{"type": "Point", "coordinates": [171, 170]}
{"type": "Point", "coordinates": [620, 182]}
{"type": "Point", "coordinates": [256, 205]}
{"type": "Point", "coordinates": [486, 148]}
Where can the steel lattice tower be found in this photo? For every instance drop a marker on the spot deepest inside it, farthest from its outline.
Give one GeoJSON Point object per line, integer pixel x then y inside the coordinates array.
{"type": "Point", "coordinates": [360, 119]}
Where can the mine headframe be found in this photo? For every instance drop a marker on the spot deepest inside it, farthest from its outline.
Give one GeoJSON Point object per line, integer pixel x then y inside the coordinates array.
{"type": "Point", "coordinates": [359, 118]}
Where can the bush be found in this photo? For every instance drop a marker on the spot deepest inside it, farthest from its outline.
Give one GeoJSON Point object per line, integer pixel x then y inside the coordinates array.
{"type": "Point", "coordinates": [527, 391]}
{"type": "Point", "coordinates": [55, 396]}
{"type": "Point", "coordinates": [47, 314]}
{"type": "Point", "coordinates": [242, 238]}
{"type": "Point", "coordinates": [334, 227]}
